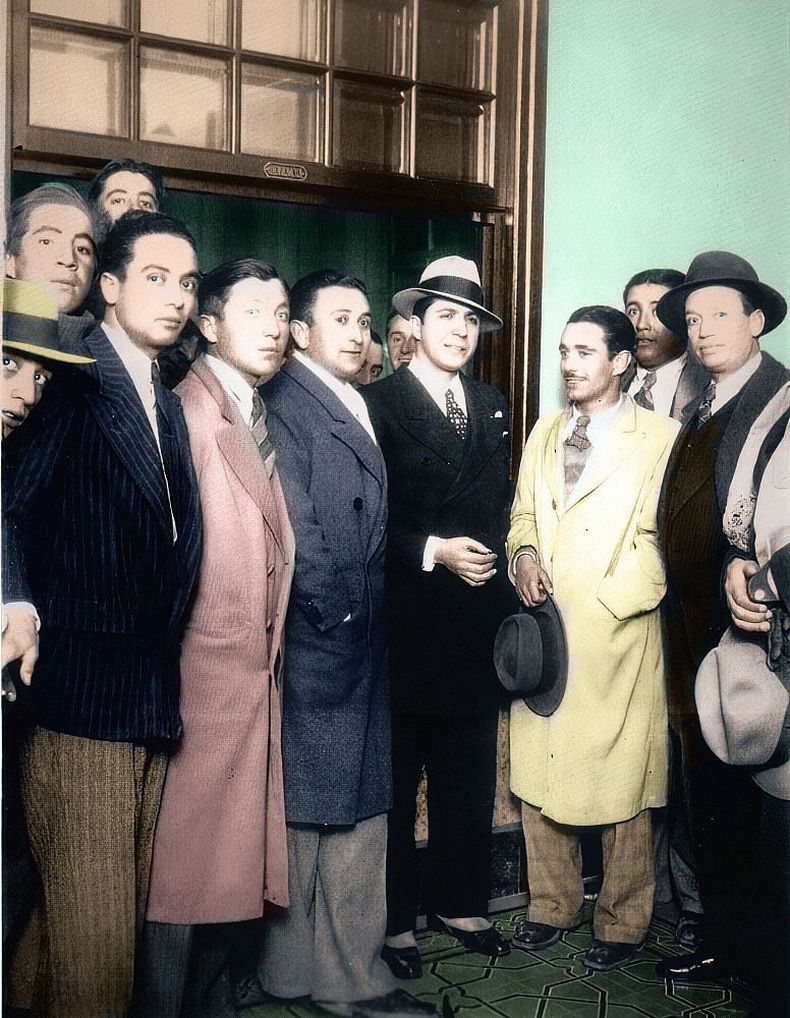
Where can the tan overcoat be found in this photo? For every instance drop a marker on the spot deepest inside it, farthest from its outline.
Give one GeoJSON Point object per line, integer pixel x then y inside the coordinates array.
{"type": "Point", "coordinates": [220, 848]}
{"type": "Point", "coordinates": [602, 757]}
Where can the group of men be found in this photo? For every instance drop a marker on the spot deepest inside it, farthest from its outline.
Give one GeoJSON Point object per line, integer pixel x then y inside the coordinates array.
{"type": "Point", "coordinates": [248, 613]}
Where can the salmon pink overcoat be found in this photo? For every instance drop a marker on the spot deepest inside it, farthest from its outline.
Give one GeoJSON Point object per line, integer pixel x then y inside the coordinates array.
{"type": "Point", "coordinates": [220, 846]}
{"type": "Point", "coordinates": [601, 758]}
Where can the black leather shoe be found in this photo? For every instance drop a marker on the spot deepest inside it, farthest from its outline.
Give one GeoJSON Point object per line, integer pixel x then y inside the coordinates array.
{"type": "Point", "coordinates": [688, 931]}
{"type": "Point", "coordinates": [404, 962]}
{"type": "Point", "coordinates": [248, 992]}
{"type": "Point", "coordinates": [489, 942]}
{"type": "Point", "coordinates": [605, 955]}
{"type": "Point", "coordinates": [535, 936]}
{"type": "Point", "coordinates": [697, 967]}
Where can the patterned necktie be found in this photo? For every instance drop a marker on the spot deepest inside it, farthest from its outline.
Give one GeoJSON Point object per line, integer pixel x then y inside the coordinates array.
{"type": "Point", "coordinates": [261, 433]}
{"type": "Point", "coordinates": [577, 451]}
{"type": "Point", "coordinates": [644, 397]}
{"type": "Point", "coordinates": [455, 415]}
{"type": "Point", "coordinates": [706, 404]}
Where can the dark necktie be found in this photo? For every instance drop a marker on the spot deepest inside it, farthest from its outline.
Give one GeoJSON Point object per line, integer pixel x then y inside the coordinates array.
{"type": "Point", "coordinates": [577, 451]}
{"type": "Point", "coordinates": [455, 415]}
{"type": "Point", "coordinates": [644, 397]}
{"type": "Point", "coordinates": [162, 436]}
{"type": "Point", "coordinates": [261, 433]}
{"type": "Point", "coordinates": [704, 410]}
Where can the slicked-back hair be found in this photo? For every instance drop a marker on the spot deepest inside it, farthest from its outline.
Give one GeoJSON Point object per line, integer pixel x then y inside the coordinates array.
{"type": "Point", "coordinates": [670, 278]}
{"type": "Point", "coordinates": [616, 326]}
{"type": "Point", "coordinates": [118, 248]}
{"type": "Point", "coordinates": [21, 210]}
{"type": "Point", "coordinates": [376, 338]}
{"type": "Point", "coordinates": [305, 290]}
{"type": "Point", "coordinates": [215, 286]}
{"type": "Point", "coordinates": [96, 186]}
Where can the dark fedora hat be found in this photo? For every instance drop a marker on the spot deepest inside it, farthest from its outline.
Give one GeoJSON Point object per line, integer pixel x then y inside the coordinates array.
{"type": "Point", "coordinates": [531, 657]}
{"type": "Point", "coordinates": [455, 278]}
{"type": "Point", "coordinates": [720, 268]}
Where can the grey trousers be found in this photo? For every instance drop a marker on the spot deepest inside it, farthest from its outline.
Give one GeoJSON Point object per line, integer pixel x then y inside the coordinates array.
{"type": "Point", "coordinates": [326, 945]}
{"type": "Point", "coordinates": [676, 867]}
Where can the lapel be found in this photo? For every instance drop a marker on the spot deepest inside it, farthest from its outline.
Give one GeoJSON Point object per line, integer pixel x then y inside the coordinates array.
{"type": "Point", "coordinates": [123, 420]}
{"type": "Point", "coordinates": [344, 426]}
{"type": "Point", "coordinates": [483, 438]}
{"type": "Point", "coordinates": [623, 442]}
{"type": "Point", "coordinates": [750, 401]}
{"type": "Point", "coordinates": [424, 421]}
{"type": "Point", "coordinates": [238, 448]}
{"type": "Point", "coordinates": [692, 383]}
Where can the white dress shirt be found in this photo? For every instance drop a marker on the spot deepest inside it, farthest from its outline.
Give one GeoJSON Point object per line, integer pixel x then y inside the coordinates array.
{"type": "Point", "coordinates": [236, 387]}
{"type": "Point", "coordinates": [665, 385]}
{"type": "Point", "coordinates": [344, 391]}
{"type": "Point", "coordinates": [732, 384]}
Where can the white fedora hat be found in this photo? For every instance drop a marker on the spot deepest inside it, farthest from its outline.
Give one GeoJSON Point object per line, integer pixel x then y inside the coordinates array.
{"type": "Point", "coordinates": [455, 278]}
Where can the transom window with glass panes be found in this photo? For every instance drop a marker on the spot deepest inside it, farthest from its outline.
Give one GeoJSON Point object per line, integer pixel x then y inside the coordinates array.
{"type": "Point", "coordinates": [396, 86]}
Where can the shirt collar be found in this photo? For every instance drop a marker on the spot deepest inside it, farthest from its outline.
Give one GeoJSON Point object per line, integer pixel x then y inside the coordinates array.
{"type": "Point", "coordinates": [237, 387]}
{"type": "Point", "coordinates": [676, 365]}
{"type": "Point", "coordinates": [340, 388]}
{"type": "Point", "coordinates": [434, 380]}
{"type": "Point", "coordinates": [603, 415]}
{"type": "Point", "coordinates": [732, 384]}
{"type": "Point", "coordinates": [137, 362]}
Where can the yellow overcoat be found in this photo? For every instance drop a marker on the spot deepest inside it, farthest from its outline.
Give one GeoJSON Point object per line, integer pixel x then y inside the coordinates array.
{"type": "Point", "coordinates": [601, 757]}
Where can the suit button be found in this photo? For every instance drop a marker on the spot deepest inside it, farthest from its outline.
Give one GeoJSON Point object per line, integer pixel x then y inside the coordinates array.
{"type": "Point", "coordinates": [357, 503]}
{"type": "Point", "coordinates": [554, 504]}
{"type": "Point", "coordinates": [270, 569]}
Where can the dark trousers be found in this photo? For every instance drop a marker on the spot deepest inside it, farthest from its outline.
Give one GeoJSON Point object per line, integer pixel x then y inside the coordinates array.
{"type": "Point", "coordinates": [189, 971]}
{"type": "Point", "coordinates": [725, 820]}
{"type": "Point", "coordinates": [774, 849]}
{"type": "Point", "coordinates": [459, 756]}
{"type": "Point", "coordinates": [676, 864]}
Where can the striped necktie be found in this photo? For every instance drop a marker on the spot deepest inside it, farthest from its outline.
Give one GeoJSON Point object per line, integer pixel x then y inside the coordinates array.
{"type": "Point", "coordinates": [705, 409]}
{"type": "Point", "coordinates": [644, 397]}
{"type": "Point", "coordinates": [261, 433]}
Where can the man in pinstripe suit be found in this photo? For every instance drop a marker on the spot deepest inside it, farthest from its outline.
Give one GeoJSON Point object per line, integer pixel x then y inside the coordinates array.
{"type": "Point", "coordinates": [102, 543]}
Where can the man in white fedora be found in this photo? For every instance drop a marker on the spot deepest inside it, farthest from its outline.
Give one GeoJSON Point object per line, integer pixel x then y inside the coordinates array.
{"type": "Point", "coordinates": [446, 443]}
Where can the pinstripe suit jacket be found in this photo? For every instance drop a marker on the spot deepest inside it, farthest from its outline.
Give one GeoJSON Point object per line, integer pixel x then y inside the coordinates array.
{"type": "Point", "coordinates": [88, 539]}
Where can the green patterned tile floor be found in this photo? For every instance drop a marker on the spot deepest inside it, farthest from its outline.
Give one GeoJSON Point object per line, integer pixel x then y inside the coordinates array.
{"type": "Point", "coordinates": [552, 983]}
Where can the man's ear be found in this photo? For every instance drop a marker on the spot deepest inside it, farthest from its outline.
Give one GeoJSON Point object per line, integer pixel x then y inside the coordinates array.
{"type": "Point", "coordinates": [109, 285]}
{"type": "Point", "coordinates": [10, 266]}
{"type": "Point", "coordinates": [416, 327]}
{"type": "Point", "coordinates": [756, 323]}
{"type": "Point", "coordinates": [300, 333]}
{"type": "Point", "coordinates": [208, 327]}
{"type": "Point", "coordinates": [620, 362]}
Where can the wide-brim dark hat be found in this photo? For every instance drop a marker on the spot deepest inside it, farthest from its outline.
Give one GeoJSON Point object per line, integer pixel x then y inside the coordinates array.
{"type": "Point", "coordinates": [30, 323]}
{"type": "Point", "coordinates": [457, 279]}
{"type": "Point", "coordinates": [531, 657]}
{"type": "Point", "coordinates": [720, 268]}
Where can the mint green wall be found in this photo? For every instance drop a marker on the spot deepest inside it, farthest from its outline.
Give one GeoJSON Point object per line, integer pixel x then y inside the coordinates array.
{"type": "Point", "coordinates": [668, 134]}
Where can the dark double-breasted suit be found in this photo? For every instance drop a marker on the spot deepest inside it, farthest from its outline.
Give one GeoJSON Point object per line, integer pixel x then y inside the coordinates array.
{"type": "Point", "coordinates": [445, 693]}
{"type": "Point", "coordinates": [336, 729]}
{"type": "Point", "coordinates": [89, 540]}
{"type": "Point", "coordinates": [723, 799]}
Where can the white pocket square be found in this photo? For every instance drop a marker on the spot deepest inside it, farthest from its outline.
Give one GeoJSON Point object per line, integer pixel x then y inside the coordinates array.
{"type": "Point", "coordinates": [498, 414]}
